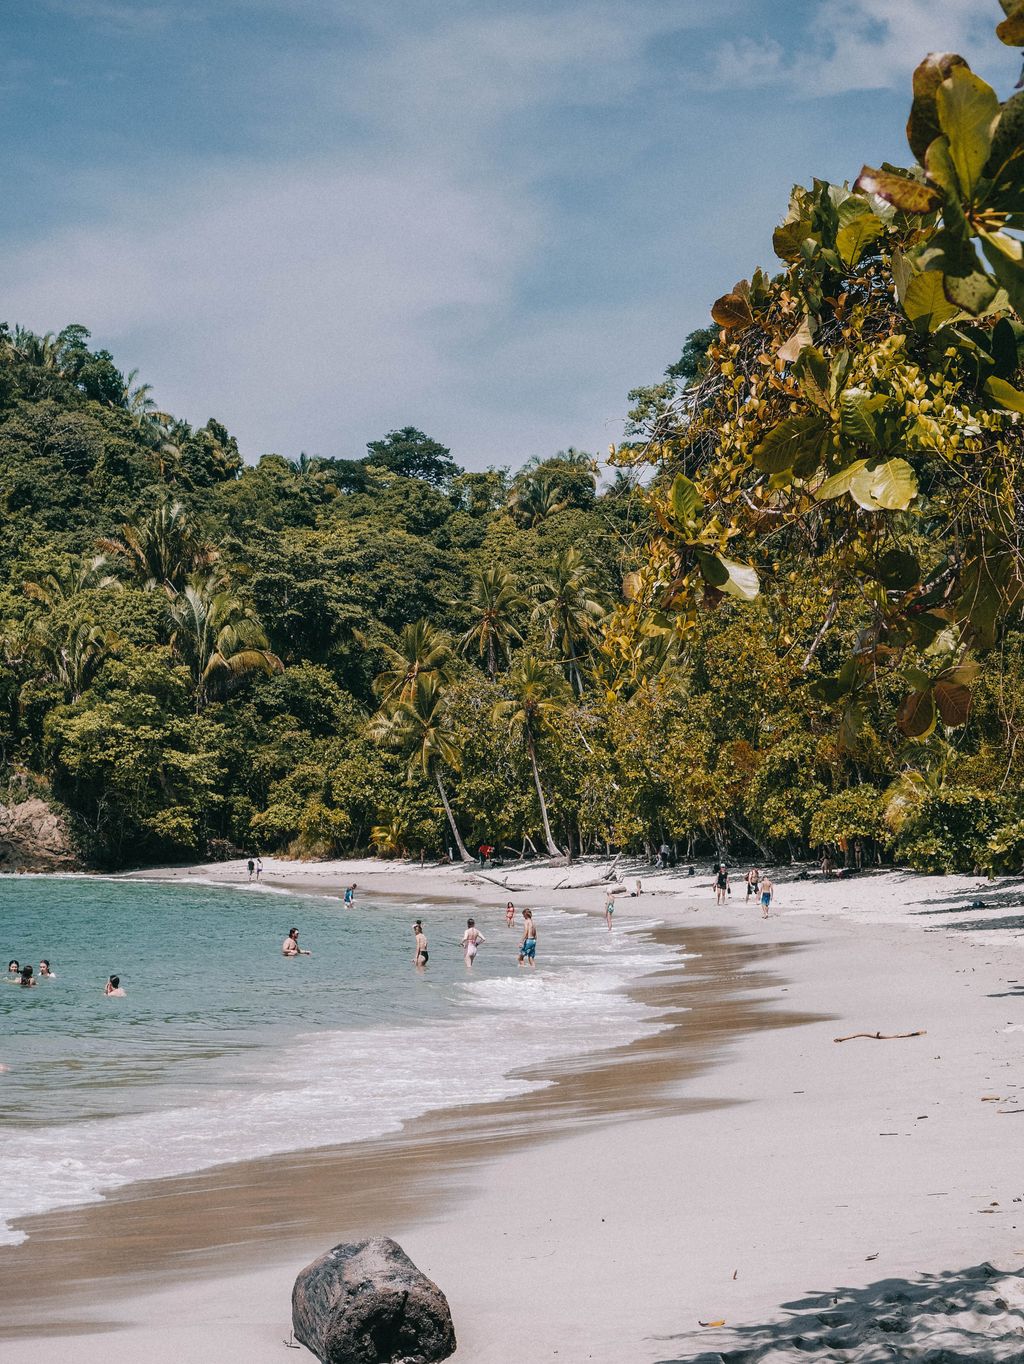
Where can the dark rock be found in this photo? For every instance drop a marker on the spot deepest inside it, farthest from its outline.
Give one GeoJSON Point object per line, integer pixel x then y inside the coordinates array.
{"type": "Point", "coordinates": [367, 1303]}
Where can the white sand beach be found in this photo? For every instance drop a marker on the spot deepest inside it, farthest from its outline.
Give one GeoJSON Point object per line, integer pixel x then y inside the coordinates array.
{"type": "Point", "coordinates": [864, 1197]}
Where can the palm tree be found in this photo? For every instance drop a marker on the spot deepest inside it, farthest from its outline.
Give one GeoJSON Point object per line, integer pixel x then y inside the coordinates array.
{"type": "Point", "coordinates": [163, 549]}
{"type": "Point", "coordinates": [217, 637]}
{"type": "Point", "coordinates": [537, 699]}
{"type": "Point", "coordinates": [419, 725]}
{"type": "Point", "coordinates": [570, 607]}
{"type": "Point", "coordinates": [72, 654]}
{"type": "Point", "coordinates": [62, 584]}
{"type": "Point", "coordinates": [533, 499]}
{"type": "Point", "coordinates": [423, 651]}
{"type": "Point", "coordinates": [496, 604]}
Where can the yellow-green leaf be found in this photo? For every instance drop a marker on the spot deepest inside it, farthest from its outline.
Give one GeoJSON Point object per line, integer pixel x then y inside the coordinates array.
{"type": "Point", "coordinates": [852, 239]}
{"type": "Point", "coordinates": [687, 503]}
{"type": "Point", "coordinates": [839, 484]}
{"type": "Point", "coordinates": [1009, 398]}
{"type": "Point", "coordinates": [899, 190]}
{"type": "Point", "coordinates": [742, 581]}
{"type": "Point", "coordinates": [968, 109]}
{"type": "Point", "coordinates": [925, 301]}
{"type": "Point", "coordinates": [888, 486]}
{"type": "Point", "coordinates": [784, 444]}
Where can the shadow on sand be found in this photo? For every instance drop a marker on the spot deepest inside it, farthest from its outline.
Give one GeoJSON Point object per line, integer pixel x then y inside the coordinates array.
{"type": "Point", "coordinates": [974, 1314]}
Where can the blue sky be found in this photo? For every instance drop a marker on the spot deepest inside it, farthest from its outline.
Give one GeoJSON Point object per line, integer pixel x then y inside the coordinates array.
{"type": "Point", "coordinates": [318, 220]}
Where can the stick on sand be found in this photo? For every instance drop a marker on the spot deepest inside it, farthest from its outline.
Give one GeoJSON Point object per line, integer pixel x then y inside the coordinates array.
{"type": "Point", "coordinates": [881, 1036]}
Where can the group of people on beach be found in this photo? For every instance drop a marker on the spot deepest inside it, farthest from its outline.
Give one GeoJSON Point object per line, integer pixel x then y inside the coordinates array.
{"type": "Point", "coordinates": [26, 977]}
{"type": "Point", "coordinates": [759, 885]}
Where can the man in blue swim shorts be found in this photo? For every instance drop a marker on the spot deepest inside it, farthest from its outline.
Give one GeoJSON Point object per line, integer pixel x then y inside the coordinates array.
{"type": "Point", "coordinates": [528, 947]}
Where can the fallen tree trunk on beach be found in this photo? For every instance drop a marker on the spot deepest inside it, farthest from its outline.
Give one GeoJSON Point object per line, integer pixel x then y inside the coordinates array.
{"type": "Point", "coordinates": [367, 1303]}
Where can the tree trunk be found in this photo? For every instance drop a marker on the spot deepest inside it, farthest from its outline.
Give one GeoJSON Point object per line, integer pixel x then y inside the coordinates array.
{"type": "Point", "coordinates": [463, 852]}
{"type": "Point", "coordinates": [553, 849]}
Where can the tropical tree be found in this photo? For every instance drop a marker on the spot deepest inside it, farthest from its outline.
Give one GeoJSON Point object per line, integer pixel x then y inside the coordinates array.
{"type": "Point", "coordinates": [71, 652]}
{"type": "Point", "coordinates": [163, 549]}
{"type": "Point", "coordinates": [537, 700]}
{"type": "Point", "coordinates": [420, 726]}
{"type": "Point", "coordinates": [61, 584]}
{"type": "Point", "coordinates": [534, 498]}
{"type": "Point", "coordinates": [423, 651]}
{"type": "Point", "coordinates": [569, 606]}
{"type": "Point", "coordinates": [217, 637]}
{"type": "Point", "coordinates": [497, 606]}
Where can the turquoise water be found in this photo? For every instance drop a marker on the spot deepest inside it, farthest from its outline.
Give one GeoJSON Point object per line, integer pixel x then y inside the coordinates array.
{"type": "Point", "coordinates": [223, 1049]}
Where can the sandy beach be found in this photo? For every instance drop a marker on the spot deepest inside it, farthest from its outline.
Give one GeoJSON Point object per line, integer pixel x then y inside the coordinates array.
{"type": "Point", "coordinates": [740, 1167]}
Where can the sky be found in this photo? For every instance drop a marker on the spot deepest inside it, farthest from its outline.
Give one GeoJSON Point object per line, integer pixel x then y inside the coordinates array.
{"type": "Point", "coordinates": [320, 220]}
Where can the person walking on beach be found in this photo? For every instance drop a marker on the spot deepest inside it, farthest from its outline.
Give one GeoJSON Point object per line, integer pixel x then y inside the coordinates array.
{"type": "Point", "coordinates": [471, 940]}
{"type": "Point", "coordinates": [721, 884]}
{"type": "Point", "coordinates": [27, 978]}
{"type": "Point", "coordinates": [510, 914]}
{"type": "Point", "coordinates": [44, 971]}
{"type": "Point", "coordinates": [528, 947]}
{"type": "Point", "coordinates": [252, 868]}
{"type": "Point", "coordinates": [767, 893]}
{"type": "Point", "coordinates": [259, 868]}
{"type": "Point", "coordinates": [113, 987]}
{"type": "Point", "coordinates": [753, 878]}
{"type": "Point", "coordinates": [609, 910]}
{"type": "Point", "coordinates": [422, 956]}
{"type": "Point", "coordinates": [290, 947]}
{"type": "Point", "coordinates": [350, 895]}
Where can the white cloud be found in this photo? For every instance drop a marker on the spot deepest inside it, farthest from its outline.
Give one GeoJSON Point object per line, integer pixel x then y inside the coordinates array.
{"type": "Point", "coordinates": [859, 45]}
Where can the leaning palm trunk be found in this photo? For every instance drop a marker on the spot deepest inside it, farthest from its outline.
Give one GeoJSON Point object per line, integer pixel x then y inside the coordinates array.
{"type": "Point", "coordinates": [463, 852]}
{"type": "Point", "coordinates": [553, 848]}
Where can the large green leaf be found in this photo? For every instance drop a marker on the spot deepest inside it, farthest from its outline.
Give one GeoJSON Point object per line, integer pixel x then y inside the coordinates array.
{"type": "Point", "coordinates": [687, 503]}
{"type": "Point", "coordinates": [1003, 253]}
{"type": "Point", "coordinates": [1005, 169]}
{"type": "Point", "coordinates": [741, 580]}
{"type": "Point", "coordinates": [858, 415]}
{"type": "Point", "coordinates": [968, 108]}
{"type": "Point", "coordinates": [786, 442]}
{"type": "Point", "coordinates": [812, 373]}
{"type": "Point", "coordinates": [1009, 398]}
{"type": "Point", "coordinates": [839, 484]}
{"type": "Point", "coordinates": [1007, 347]}
{"type": "Point", "coordinates": [974, 293]}
{"type": "Point", "coordinates": [925, 301]}
{"type": "Point", "coordinates": [909, 195]}
{"type": "Point", "coordinates": [917, 716]}
{"type": "Point", "coordinates": [789, 238]}
{"type": "Point", "coordinates": [855, 237]}
{"type": "Point", "coordinates": [923, 124]}
{"type": "Point", "coordinates": [890, 485]}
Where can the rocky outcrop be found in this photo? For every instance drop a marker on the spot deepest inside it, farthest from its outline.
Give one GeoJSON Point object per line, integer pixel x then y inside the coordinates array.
{"type": "Point", "coordinates": [35, 838]}
{"type": "Point", "coordinates": [367, 1303]}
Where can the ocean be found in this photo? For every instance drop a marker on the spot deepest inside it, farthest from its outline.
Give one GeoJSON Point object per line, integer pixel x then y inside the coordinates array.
{"type": "Point", "coordinates": [223, 1050]}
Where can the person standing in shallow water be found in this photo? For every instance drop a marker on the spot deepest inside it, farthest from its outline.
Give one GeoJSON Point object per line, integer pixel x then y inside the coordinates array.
{"type": "Point", "coordinates": [528, 947]}
{"type": "Point", "coordinates": [422, 956]}
{"type": "Point", "coordinates": [350, 896]}
{"type": "Point", "coordinates": [510, 914]}
{"type": "Point", "coordinates": [259, 868]}
{"type": "Point", "coordinates": [113, 987]}
{"type": "Point", "coordinates": [609, 910]}
{"type": "Point", "coordinates": [471, 940]}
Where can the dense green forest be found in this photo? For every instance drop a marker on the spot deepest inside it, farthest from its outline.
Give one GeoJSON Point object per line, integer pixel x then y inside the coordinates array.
{"type": "Point", "coordinates": [784, 617]}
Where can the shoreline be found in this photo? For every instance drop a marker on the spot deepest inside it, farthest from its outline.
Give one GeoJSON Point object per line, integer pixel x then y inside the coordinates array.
{"type": "Point", "coordinates": [785, 1164]}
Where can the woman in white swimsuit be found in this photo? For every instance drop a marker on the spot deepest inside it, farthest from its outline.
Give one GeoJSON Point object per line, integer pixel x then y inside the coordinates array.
{"type": "Point", "coordinates": [471, 940]}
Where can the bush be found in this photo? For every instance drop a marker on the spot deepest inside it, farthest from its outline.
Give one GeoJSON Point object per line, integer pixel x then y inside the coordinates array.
{"type": "Point", "coordinates": [951, 831]}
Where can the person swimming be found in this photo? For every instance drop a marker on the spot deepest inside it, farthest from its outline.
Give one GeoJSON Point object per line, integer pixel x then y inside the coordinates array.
{"type": "Point", "coordinates": [44, 971]}
{"type": "Point", "coordinates": [290, 947]}
{"type": "Point", "coordinates": [113, 987]}
{"type": "Point", "coordinates": [471, 940]}
{"type": "Point", "coordinates": [14, 972]}
{"type": "Point", "coordinates": [27, 978]}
